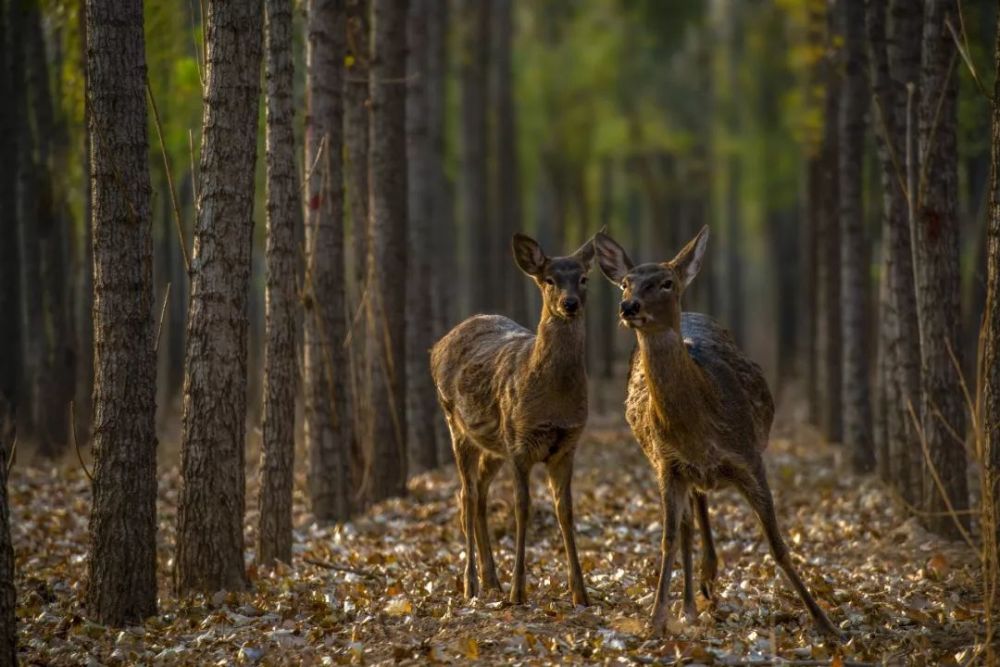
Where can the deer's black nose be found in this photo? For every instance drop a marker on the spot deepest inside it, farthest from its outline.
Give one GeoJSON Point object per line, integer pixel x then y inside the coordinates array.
{"type": "Point", "coordinates": [630, 307]}
{"type": "Point", "coordinates": [570, 304]}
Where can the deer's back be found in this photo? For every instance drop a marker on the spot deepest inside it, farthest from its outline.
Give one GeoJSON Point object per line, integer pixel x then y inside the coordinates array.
{"type": "Point", "coordinates": [719, 423]}
{"type": "Point", "coordinates": [474, 367]}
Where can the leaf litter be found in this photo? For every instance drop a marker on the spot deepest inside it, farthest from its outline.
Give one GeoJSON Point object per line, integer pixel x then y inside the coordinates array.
{"type": "Point", "coordinates": [385, 588]}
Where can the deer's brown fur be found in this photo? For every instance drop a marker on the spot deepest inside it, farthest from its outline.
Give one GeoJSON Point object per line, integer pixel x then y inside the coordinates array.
{"type": "Point", "coordinates": [516, 396]}
{"type": "Point", "coordinates": [700, 409]}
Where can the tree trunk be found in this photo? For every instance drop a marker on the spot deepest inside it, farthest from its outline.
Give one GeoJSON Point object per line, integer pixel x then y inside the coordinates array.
{"type": "Point", "coordinates": [356, 153]}
{"type": "Point", "coordinates": [812, 350]}
{"type": "Point", "coordinates": [936, 257]}
{"type": "Point", "coordinates": [122, 562]}
{"type": "Point", "coordinates": [507, 186]}
{"type": "Point", "coordinates": [210, 512]}
{"type": "Point", "coordinates": [326, 362]}
{"type": "Point", "coordinates": [85, 266]}
{"type": "Point", "coordinates": [274, 533]}
{"type": "Point", "coordinates": [896, 61]}
{"type": "Point", "coordinates": [734, 255]}
{"type": "Point", "coordinates": [989, 377]}
{"type": "Point", "coordinates": [386, 449]}
{"type": "Point", "coordinates": [8, 594]}
{"type": "Point", "coordinates": [854, 271]}
{"type": "Point", "coordinates": [10, 278]}
{"type": "Point", "coordinates": [474, 35]}
{"type": "Point", "coordinates": [422, 408]}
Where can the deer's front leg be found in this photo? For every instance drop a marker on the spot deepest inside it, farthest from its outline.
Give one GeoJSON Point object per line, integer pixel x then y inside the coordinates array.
{"type": "Point", "coordinates": [673, 495]}
{"type": "Point", "coordinates": [522, 509]}
{"type": "Point", "coordinates": [560, 477]}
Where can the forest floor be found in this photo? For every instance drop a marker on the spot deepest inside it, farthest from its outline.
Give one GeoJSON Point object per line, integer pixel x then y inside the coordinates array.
{"type": "Point", "coordinates": [901, 595]}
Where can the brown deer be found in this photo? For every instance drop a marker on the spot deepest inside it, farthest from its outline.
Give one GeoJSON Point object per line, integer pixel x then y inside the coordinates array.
{"type": "Point", "coordinates": [512, 395]}
{"type": "Point", "coordinates": [700, 409]}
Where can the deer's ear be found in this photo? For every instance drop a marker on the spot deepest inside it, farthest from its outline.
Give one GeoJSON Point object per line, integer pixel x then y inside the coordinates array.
{"type": "Point", "coordinates": [528, 254]}
{"type": "Point", "coordinates": [612, 258]}
{"type": "Point", "coordinates": [585, 254]}
{"type": "Point", "coordinates": [688, 261]}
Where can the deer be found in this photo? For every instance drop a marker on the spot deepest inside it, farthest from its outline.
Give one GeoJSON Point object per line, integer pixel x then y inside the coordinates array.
{"type": "Point", "coordinates": [699, 408]}
{"type": "Point", "coordinates": [514, 396]}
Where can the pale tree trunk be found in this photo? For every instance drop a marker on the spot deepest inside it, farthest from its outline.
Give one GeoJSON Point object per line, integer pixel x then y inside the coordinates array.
{"type": "Point", "coordinates": [936, 257]}
{"type": "Point", "coordinates": [122, 559]}
{"type": "Point", "coordinates": [989, 377]}
{"type": "Point", "coordinates": [356, 85]}
{"type": "Point", "coordinates": [474, 34]}
{"type": "Point", "coordinates": [506, 185]}
{"type": "Point", "coordinates": [10, 278]}
{"type": "Point", "coordinates": [274, 533]}
{"type": "Point", "coordinates": [812, 349]}
{"type": "Point", "coordinates": [210, 513]}
{"type": "Point", "coordinates": [422, 407]}
{"type": "Point", "coordinates": [326, 362]}
{"type": "Point", "coordinates": [386, 448]}
{"type": "Point", "coordinates": [895, 60]}
{"type": "Point", "coordinates": [8, 594]}
{"type": "Point", "coordinates": [854, 270]}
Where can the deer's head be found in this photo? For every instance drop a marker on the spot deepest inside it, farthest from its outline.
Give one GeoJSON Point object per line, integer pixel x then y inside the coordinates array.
{"type": "Point", "coordinates": [651, 293]}
{"type": "Point", "coordinates": [562, 280]}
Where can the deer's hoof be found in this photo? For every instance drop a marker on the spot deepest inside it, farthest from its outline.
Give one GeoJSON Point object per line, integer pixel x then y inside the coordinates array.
{"type": "Point", "coordinates": [518, 596]}
{"type": "Point", "coordinates": [690, 612]}
{"type": "Point", "coordinates": [580, 599]}
{"type": "Point", "coordinates": [708, 589]}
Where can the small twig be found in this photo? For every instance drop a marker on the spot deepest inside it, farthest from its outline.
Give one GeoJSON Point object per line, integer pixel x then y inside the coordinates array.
{"type": "Point", "coordinates": [163, 313]}
{"type": "Point", "coordinates": [10, 459]}
{"type": "Point", "coordinates": [170, 178]}
{"type": "Point", "coordinates": [343, 568]}
{"type": "Point", "coordinates": [76, 441]}
{"type": "Point", "coordinates": [963, 51]}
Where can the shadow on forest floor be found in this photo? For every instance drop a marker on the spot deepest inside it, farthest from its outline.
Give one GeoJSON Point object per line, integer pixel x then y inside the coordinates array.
{"type": "Point", "coordinates": [900, 594]}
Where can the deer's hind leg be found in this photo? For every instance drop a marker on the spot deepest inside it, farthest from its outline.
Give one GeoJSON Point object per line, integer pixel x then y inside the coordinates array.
{"type": "Point", "coordinates": [488, 468]}
{"type": "Point", "coordinates": [709, 559]}
{"type": "Point", "coordinates": [690, 610]}
{"type": "Point", "coordinates": [466, 461]}
{"type": "Point", "coordinates": [758, 494]}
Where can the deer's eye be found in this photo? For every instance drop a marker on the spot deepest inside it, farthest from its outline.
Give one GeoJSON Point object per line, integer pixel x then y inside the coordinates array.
{"type": "Point", "coordinates": [583, 280]}
{"type": "Point", "coordinates": [549, 281]}
{"type": "Point", "coordinates": [667, 285]}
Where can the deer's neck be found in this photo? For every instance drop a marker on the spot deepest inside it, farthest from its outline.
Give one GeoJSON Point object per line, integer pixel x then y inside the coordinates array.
{"type": "Point", "coordinates": [678, 390]}
{"type": "Point", "coordinates": [560, 344]}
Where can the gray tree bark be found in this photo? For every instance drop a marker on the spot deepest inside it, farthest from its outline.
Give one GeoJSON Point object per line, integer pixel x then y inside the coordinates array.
{"type": "Point", "coordinates": [854, 270]}
{"type": "Point", "coordinates": [274, 532]}
{"type": "Point", "coordinates": [473, 179]}
{"type": "Point", "coordinates": [386, 449]}
{"type": "Point", "coordinates": [122, 559]}
{"type": "Point", "coordinates": [210, 513]}
{"type": "Point", "coordinates": [934, 236]}
{"type": "Point", "coordinates": [84, 296]}
{"type": "Point", "coordinates": [442, 206]}
{"type": "Point", "coordinates": [422, 409]}
{"type": "Point", "coordinates": [895, 61]}
{"type": "Point", "coordinates": [326, 362]}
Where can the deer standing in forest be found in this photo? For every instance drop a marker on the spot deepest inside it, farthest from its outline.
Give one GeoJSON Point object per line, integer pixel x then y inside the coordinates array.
{"type": "Point", "coordinates": [700, 409]}
{"type": "Point", "coordinates": [510, 395]}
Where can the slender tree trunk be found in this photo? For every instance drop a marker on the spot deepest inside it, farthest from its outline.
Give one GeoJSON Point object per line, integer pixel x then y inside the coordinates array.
{"type": "Point", "coordinates": [989, 376]}
{"type": "Point", "coordinates": [274, 533]}
{"type": "Point", "coordinates": [813, 192]}
{"type": "Point", "coordinates": [85, 265]}
{"type": "Point", "coordinates": [210, 513]}
{"type": "Point", "coordinates": [854, 271]}
{"type": "Point", "coordinates": [10, 278]}
{"type": "Point", "coordinates": [122, 563]}
{"type": "Point", "coordinates": [607, 295]}
{"type": "Point", "coordinates": [356, 121]}
{"type": "Point", "coordinates": [474, 35]}
{"type": "Point", "coordinates": [422, 408]}
{"type": "Point", "coordinates": [8, 594]}
{"type": "Point", "coordinates": [734, 255]}
{"type": "Point", "coordinates": [387, 459]}
{"type": "Point", "coordinates": [896, 61]}
{"type": "Point", "coordinates": [326, 362]}
{"type": "Point", "coordinates": [936, 257]}
{"type": "Point", "coordinates": [507, 187]}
